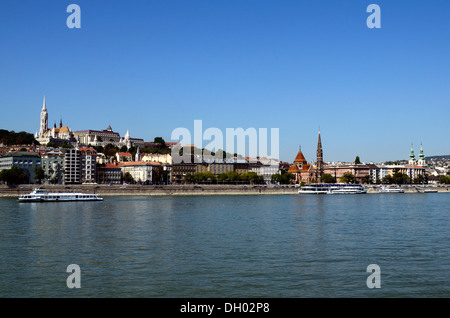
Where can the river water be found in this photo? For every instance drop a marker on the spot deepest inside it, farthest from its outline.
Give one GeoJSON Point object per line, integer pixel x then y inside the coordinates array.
{"type": "Point", "coordinates": [281, 246]}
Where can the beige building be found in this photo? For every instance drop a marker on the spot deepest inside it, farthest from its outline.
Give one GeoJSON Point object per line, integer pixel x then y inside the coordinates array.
{"type": "Point", "coordinates": [156, 157]}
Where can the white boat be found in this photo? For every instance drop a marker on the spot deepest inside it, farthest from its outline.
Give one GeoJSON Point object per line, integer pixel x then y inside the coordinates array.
{"type": "Point", "coordinates": [38, 195]}
{"type": "Point", "coordinates": [332, 188]}
{"type": "Point", "coordinates": [391, 190]}
{"type": "Point", "coordinates": [427, 190]}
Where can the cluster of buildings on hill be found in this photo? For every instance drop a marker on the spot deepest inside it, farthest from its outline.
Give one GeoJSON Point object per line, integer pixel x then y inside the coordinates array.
{"type": "Point", "coordinates": [81, 163]}
{"type": "Point", "coordinates": [78, 162]}
{"type": "Point", "coordinates": [363, 173]}
{"type": "Point", "coordinates": [64, 135]}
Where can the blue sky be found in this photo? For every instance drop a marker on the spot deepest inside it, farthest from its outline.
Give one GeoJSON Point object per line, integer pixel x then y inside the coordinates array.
{"type": "Point", "coordinates": [152, 66]}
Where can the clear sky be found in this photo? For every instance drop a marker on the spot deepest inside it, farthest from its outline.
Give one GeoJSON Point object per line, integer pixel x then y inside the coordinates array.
{"type": "Point", "coordinates": [151, 66]}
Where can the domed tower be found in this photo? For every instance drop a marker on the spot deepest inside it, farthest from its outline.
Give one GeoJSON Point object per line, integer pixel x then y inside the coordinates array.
{"type": "Point", "coordinates": [421, 161]}
{"type": "Point", "coordinates": [412, 157]}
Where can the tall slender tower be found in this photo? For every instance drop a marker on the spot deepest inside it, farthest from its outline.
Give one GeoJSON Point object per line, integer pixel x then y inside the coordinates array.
{"type": "Point", "coordinates": [412, 157]}
{"type": "Point", "coordinates": [319, 168]}
{"type": "Point", "coordinates": [44, 120]}
{"type": "Point", "coordinates": [137, 157]}
{"type": "Point", "coordinates": [421, 161]}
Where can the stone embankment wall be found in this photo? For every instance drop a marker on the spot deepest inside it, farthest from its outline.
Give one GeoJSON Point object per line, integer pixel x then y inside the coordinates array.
{"type": "Point", "coordinates": [148, 190]}
{"type": "Point", "coordinates": [180, 190]}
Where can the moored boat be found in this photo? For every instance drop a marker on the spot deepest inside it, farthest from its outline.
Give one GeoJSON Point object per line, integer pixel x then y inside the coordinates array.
{"type": "Point", "coordinates": [38, 195]}
{"type": "Point", "coordinates": [332, 188]}
{"type": "Point", "coordinates": [391, 189]}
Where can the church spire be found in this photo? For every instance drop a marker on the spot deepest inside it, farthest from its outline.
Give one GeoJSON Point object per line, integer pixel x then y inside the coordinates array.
{"type": "Point", "coordinates": [138, 154]}
{"type": "Point", "coordinates": [319, 169]}
{"type": "Point", "coordinates": [43, 127]}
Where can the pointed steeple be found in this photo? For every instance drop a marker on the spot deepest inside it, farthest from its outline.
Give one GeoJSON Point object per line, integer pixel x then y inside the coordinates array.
{"type": "Point", "coordinates": [44, 107]}
{"type": "Point", "coordinates": [319, 169]}
{"type": "Point", "coordinates": [138, 154]}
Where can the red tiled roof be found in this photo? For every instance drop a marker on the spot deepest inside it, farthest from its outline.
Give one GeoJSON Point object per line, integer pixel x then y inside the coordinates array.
{"type": "Point", "coordinates": [293, 168]}
{"type": "Point", "coordinates": [87, 149]}
{"type": "Point", "coordinates": [300, 157]}
{"type": "Point", "coordinates": [124, 154]}
{"type": "Point", "coordinates": [111, 165]}
{"type": "Point", "coordinates": [139, 163]}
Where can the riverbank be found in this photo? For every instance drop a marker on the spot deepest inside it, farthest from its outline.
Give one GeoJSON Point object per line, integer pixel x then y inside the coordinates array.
{"type": "Point", "coordinates": [183, 190]}
{"type": "Point", "coordinates": [153, 190]}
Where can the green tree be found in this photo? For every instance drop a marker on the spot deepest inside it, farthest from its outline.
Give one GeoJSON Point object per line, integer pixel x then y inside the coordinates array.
{"type": "Point", "coordinates": [400, 178]}
{"type": "Point", "coordinates": [232, 176]}
{"type": "Point", "coordinates": [128, 178]}
{"type": "Point", "coordinates": [444, 180]}
{"type": "Point", "coordinates": [387, 179]}
{"type": "Point", "coordinates": [419, 179]}
{"type": "Point", "coordinates": [367, 179]}
{"type": "Point", "coordinates": [99, 149]}
{"type": "Point", "coordinates": [357, 161]}
{"type": "Point", "coordinates": [39, 174]}
{"type": "Point", "coordinates": [348, 177]}
{"type": "Point", "coordinates": [161, 143]}
{"type": "Point", "coordinates": [222, 177]}
{"type": "Point", "coordinates": [66, 145]}
{"type": "Point", "coordinates": [282, 178]}
{"type": "Point", "coordinates": [110, 150]}
{"type": "Point", "coordinates": [15, 175]}
{"type": "Point", "coordinates": [10, 138]}
{"type": "Point", "coordinates": [123, 149]}
{"type": "Point", "coordinates": [328, 178]}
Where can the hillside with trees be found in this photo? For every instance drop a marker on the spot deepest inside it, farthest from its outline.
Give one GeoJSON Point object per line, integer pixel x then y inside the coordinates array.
{"type": "Point", "coordinates": [9, 138]}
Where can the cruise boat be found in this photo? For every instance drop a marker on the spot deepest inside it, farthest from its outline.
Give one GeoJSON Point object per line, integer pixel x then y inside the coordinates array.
{"type": "Point", "coordinates": [332, 188]}
{"type": "Point", "coordinates": [38, 195]}
{"type": "Point", "coordinates": [426, 190]}
{"type": "Point", "coordinates": [391, 190]}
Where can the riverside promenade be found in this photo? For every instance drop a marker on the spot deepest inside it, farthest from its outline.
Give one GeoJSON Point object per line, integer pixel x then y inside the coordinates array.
{"type": "Point", "coordinates": [185, 190]}
{"type": "Point", "coordinates": [152, 190]}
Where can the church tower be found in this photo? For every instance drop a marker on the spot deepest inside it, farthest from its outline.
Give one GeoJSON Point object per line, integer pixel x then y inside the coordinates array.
{"type": "Point", "coordinates": [44, 120]}
{"type": "Point", "coordinates": [412, 157]}
{"type": "Point", "coordinates": [421, 161]}
{"type": "Point", "coordinates": [138, 154]}
{"type": "Point", "coordinates": [319, 168]}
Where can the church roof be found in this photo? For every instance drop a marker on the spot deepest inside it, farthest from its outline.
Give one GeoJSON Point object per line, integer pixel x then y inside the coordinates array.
{"type": "Point", "coordinates": [300, 158]}
{"type": "Point", "coordinates": [58, 130]}
{"type": "Point", "coordinates": [293, 168]}
{"type": "Point", "coordinates": [305, 168]}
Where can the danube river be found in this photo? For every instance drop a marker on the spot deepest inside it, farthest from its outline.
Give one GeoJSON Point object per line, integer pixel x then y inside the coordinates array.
{"type": "Point", "coordinates": [287, 246]}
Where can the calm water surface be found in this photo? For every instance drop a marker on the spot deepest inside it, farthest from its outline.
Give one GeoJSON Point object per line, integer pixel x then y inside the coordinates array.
{"type": "Point", "coordinates": [228, 246]}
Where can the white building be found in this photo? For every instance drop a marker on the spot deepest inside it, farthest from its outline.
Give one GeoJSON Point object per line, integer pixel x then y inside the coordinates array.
{"type": "Point", "coordinates": [141, 171]}
{"type": "Point", "coordinates": [61, 134]}
{"type": "Point", "coordinates": [105, 137]}
{"type": "Point", "coordinates": [80, 165]}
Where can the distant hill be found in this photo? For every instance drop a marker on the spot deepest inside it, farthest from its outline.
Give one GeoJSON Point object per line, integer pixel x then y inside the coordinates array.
{"type": "Point", "coordinates": [438, 158]}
